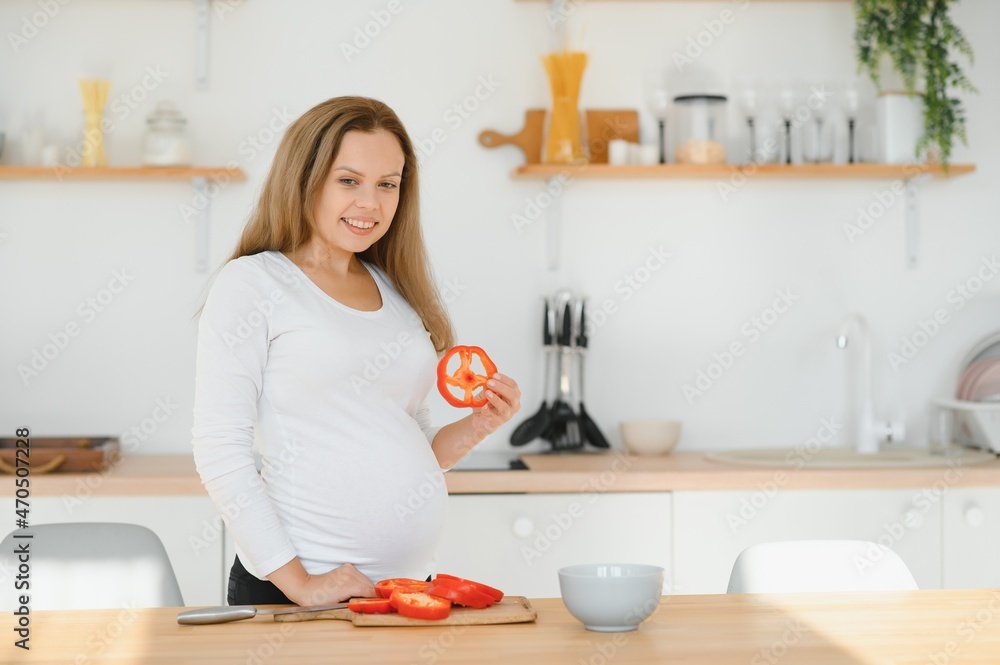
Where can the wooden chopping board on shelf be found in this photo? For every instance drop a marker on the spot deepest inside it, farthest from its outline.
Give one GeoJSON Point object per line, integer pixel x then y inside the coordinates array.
{"type": "Point", "coordinates": [512, 609]}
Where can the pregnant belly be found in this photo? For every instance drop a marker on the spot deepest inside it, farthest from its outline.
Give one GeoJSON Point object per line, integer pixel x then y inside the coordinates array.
{"type": "Point", "coordinates": [387, 521]}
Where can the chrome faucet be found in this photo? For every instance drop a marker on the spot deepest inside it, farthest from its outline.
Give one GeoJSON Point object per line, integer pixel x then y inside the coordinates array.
{"type": "Point", "coordinates": [867, 432]}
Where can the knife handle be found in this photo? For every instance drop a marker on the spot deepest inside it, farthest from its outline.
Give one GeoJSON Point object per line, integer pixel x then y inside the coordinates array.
{"type": "Point", "coordinates": [222, 614]}
{"type": "Point", "coordinates": [566, 339]}
{"type": "Point", "coordinates": [547, 326]}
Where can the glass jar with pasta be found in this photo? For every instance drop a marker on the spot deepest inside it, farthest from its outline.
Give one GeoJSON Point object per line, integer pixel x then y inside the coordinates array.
{"type": "Point", "coordinates": [563, 143]}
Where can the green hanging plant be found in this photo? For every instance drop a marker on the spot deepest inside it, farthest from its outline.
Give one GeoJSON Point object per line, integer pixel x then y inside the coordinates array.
{"type": "Point", "coordinates": [921, 41]}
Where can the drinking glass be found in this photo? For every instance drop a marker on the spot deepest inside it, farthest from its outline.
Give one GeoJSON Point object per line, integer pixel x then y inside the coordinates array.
{"type": "Point", "coordinates": [658, 102]}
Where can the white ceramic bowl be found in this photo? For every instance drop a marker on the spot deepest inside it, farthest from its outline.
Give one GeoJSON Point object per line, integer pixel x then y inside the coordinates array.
{"type": "Point", "coordinates": [650, 437]}
{"type": "Point", "coordinates": [611, 597]}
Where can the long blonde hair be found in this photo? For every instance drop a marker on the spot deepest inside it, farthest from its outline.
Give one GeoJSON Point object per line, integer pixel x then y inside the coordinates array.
{"type": "Point", "coordinates": [283, 217]}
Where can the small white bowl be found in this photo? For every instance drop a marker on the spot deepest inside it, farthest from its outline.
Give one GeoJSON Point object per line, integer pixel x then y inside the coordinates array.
{"type": "Point", "coordinates": [650, 437]}
{"type": "Point", "coordinates": [611, 597]}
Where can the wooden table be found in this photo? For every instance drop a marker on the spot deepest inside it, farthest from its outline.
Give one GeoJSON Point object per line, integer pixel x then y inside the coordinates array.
{"type": "Point", "coordinates": [889, 628]}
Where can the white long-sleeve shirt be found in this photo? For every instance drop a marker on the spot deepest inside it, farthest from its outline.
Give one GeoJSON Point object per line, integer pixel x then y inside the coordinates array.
{"type": "Point", "coordinates": [337, 401]}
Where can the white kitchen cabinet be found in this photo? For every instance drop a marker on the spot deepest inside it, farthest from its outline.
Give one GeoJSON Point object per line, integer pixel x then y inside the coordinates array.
{"type": "Point", "coordinates": [972, 537]}
{"type": "Point", "coordinates": [518, 542]}
{"type": "Point", "coordinates": [187, 525]}
{"type": "Point", "coordinates": [711, 528]}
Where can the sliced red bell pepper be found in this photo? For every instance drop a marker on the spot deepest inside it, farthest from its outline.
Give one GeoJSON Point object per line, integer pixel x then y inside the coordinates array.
{"type": "Point", "coordinates": [461, 594]}
{"type": "Point", "coordinates": [442, 579]}
{"type": "Point", "coordinates": [384, 588]}
{"type": "Point", "coordinates": [370, 605]}
{"type": "Point", "coordinates": [464, 378]}
{"type": "Point", "coordinates": [420, 605]}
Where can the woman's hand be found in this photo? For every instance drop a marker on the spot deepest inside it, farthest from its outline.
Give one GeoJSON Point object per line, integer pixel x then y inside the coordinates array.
{"type": "Point", "coordinates": [503, 400]}
{"type": "Point", "coordinates": [304, 589]}
{"type": "Point", "coordinates": [339, 584]}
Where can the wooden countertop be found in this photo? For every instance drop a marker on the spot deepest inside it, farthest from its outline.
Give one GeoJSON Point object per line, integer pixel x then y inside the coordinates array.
{"type": "Point", "coordinates": [958, 627]}
{"type": "Point", "coordinates": [175, 475]}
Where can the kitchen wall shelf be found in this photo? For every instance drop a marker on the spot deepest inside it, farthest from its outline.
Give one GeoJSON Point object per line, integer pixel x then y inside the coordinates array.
{"type": "Point", "coordinates": [912, 176]}
{"type": "Point", "coordinates": [200, 177]}
{"type": "Point", "coordinates": [665, 171]}
{"type": "Point", "coordinates": [119, 173]}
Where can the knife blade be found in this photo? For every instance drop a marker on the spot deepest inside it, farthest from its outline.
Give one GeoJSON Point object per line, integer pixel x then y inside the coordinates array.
{"type": "Point", "coordinates": [227, 613]}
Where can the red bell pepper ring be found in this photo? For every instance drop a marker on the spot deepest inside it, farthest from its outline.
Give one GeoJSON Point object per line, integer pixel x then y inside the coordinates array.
{"type": "Point", "coordinates": [464, 378]}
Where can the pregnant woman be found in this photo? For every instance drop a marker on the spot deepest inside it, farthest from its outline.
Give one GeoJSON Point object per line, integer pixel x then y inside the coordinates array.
{"type": "Point", "coordinates": [319, 339]}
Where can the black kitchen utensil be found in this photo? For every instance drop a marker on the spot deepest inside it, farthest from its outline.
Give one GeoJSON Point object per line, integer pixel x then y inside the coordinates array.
{"type": "Point", "coordinates": [591, 432]}
{"type": "Point", "coordinates": [536, 425]}
{"type": "Point", "coordinates": [565, 426]}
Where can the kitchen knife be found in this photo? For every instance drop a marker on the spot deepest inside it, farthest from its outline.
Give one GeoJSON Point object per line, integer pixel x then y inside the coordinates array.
{"type": "Point", "coordinates": [227, 613]}
{"type": "Point", "coordinates": [591, 432]}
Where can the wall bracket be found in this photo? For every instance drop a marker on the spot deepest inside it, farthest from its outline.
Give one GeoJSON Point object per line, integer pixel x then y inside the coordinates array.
{"type": "Point", "coordinates": [911, 214]}
{"type": "Point", "coordinates": [202, 21]}
{"type": "Point", "coordinates": [201, 224]}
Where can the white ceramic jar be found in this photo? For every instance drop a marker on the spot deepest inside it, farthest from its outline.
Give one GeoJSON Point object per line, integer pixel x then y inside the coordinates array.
{"type": "Point", "coordinates": [900, 126]}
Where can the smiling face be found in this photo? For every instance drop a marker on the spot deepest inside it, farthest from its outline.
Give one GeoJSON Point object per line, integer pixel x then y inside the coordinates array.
{"type": "Point", "coordinates": [359, 198]}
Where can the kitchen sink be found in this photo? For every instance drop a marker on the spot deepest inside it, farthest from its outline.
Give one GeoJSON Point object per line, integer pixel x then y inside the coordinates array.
{"type": "Point", "coordinates": [848, 458]}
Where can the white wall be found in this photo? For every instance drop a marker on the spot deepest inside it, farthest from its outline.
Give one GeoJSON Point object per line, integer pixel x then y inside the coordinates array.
{"type": "Point", "coordinates": [63, 241]}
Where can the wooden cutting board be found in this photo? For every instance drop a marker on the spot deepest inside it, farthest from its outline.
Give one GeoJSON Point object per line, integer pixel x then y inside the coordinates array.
{"type": "Point", "coordinates": [512, 609]}
{"type": "Point", "coordinates": [529, 139]}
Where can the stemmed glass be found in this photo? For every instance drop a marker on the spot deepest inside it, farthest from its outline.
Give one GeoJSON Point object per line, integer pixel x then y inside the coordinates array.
{"type": "Point", "coordinates": [658, 102]}
{"type": "Point", "coordinates": [818, 141]}
{"type": "Point", "coordinates": [749, 99]}
{"type": "Point", "coordinates": [851, 109]}
{"type": "Point", "coordinates": [786, 100]}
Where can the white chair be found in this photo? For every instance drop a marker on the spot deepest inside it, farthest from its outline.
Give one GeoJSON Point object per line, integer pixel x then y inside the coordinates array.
{"type": "Point", "coordinates": [95, 565]}
{"type": "Point", "coordinates": [819, 565]}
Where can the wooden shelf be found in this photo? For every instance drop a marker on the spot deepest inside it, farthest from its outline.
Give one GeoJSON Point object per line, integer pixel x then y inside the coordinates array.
{"type": "Point", "coordinates": [772, 171]}
{"type": "Point", "coordinates": [120, 173]}
{"type": "Point", "coordinates": [198, 176]}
